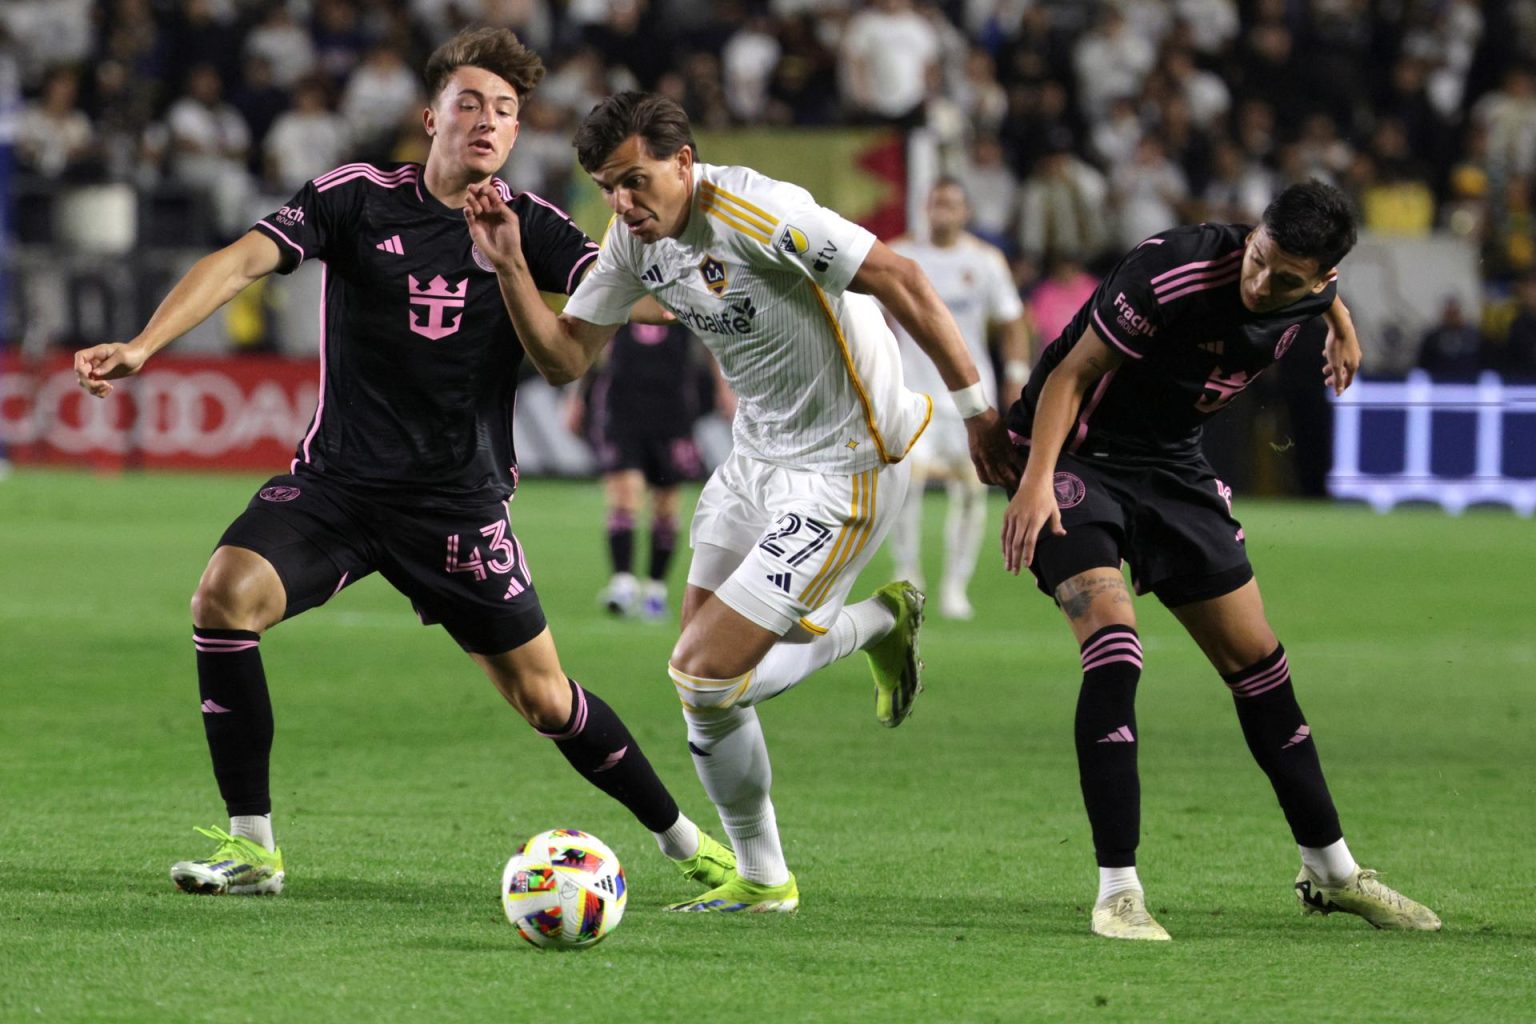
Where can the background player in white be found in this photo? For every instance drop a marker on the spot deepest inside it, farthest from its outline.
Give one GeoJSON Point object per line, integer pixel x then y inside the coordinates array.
{"type": "Point", "coordinates": [776, 286]}
{"type": "Point", "coordinates": [972, 278]}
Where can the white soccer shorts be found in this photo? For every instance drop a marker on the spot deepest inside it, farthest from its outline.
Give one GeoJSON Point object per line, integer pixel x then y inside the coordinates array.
{"type": "Point", "coordinates": [802, 538]}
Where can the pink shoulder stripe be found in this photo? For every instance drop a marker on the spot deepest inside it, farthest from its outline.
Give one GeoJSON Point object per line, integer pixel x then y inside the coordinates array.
{"type": "Point", "coordinates": [1202, 286]}
{"type": "Point", "coordinates": [1194, 266]}
{"type": "Point", "coordinates": [1109, 336]}
{"type": "Point", "coordinates": [378, 180]}
{"type": "Point", "coordinates": [352, 168]}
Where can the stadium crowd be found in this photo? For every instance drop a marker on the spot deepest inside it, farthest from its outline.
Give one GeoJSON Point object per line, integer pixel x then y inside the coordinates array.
{"type": "Point", "coordinates": [1079, 127]}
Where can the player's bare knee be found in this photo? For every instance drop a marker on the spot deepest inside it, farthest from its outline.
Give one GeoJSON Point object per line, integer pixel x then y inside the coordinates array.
{"type": "Point", "coordinates": [543, 700]}
{"type": "Point", "coordinates": [237, 592]}
{"type": "Point", "coordinates": [1095, 599]}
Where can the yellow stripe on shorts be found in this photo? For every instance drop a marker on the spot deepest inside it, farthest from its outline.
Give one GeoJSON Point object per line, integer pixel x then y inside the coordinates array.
{"type": "Point", "coordinates": [850, 541]}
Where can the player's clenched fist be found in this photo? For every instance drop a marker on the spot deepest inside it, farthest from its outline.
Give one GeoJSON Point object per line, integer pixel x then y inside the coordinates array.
{"type": "Point", "coordinates": [493, 225]}
{"type": "Point", "coordinates": [97, 365]}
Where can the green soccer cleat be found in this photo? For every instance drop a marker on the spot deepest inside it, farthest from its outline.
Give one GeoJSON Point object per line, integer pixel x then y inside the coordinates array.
{"type": "Point", "coordinates": [713, 865]}
{"type": "Point", "coordinates": [1365, 896]}
{"type": "Point", "coordinates": [739, 895]}
{"type": "Point", "coordinates": [893, 660]}
{"type": "Point", "coordinates": [239, 865]}
{"type": "Point", "coordinates": [1124, 916]}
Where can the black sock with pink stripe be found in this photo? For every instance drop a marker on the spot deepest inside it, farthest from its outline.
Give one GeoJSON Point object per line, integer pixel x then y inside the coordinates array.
{"type": "Point", "coordinates": [600, 747]}
{"type": "Point", "coordinates": [1106, 743]}
{"type": "Point", "coordinates": [1281, 742]}
{"type": "Point", "coordinates": [237, 716]}
{"type": "Point", "coordinates": [663, 542]}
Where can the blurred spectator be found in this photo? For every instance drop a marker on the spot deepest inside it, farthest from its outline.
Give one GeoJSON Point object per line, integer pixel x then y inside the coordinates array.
{"type": "Point", "coordinates": [133, 37]}
{"type": "Point", "coordinates": [804, 88]}
{"type": "Point", "coordinates": [1037, 113]}
{"type": "Point", "coordinates": [1512, 234]}
{"type": "Point", "coordinates": [576, 83]}
{"type": "Point", "coordinates": [1404, 97]}
{"type": "Point", "coordinates": [340, 41]}
{"type": "Point", "coordinates": [1397, 200]}
{"type": "Point", "coordinates": [1519, 362]}
{"type": "Point", "coordinates": [48, 33]}
{"type": "Point", "coordinates": [1212, 24]}
{"type": "Point", "coordinates": [1446, 37]}
{"type": "Point", "coordinates": [380, 93]}
{"type": "Point", "coordinates": [1508, 114]}
{"type": "Point", "coordinates": [1453, 349]}
{"type": "Point", "coordinates": [542, 161]}
{"type": "Point", "coordinates": [201, 29]}
{"type": "Point", "coordinates": [306, 141]}
{"type": "Point", "coordinates": [208, 141]}
{"type": "Point", "coordinates": [260, 101]}
{"type": "Point", "coordinates": [888, 52]}
{"type": "Point", "coordinates": [1110, 63]}
{"type": "Point", "coordinates": [1116, 135]}
{"type": "Point", "coordinates": [1256, 130]}
{"type": "Point", "coordinates": [286, 45]}
{"type": "Point", "coordinates": [1057, 298]}
{"type": "Point", "coordinates": [1061, 209]}
{"type": "Point", "coordinates": [749, 59]}
{"type": "Point", "coordinates": [979, 95]}
{"type": "Point", "coordinates": [1320, 152]}
{"type": "Point", "coordinates": [1208, 97]}
{"type": "Point", "coordinates": [703, 93]}
{"type": "Point", "coordinates": [993, 192]}
{"type": "Point", "coordinates": [1149, 191]}
{"type": "Point", "coordinates": [54, 138]}
{"type": "Point", "coordinates": [1239, 187]}
{"type": "Point", "coordinates": [1269, 70]}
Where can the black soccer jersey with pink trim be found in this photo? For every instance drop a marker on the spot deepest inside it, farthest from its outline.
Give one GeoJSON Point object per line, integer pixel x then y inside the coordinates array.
{"type": "Point", "coordinates": [419, 359]}
{"type": "Point", "coordinates": [1172, 308]}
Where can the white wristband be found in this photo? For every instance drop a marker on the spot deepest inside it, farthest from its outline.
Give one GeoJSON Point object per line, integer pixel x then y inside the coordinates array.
{"type": "Point", "coordinates": [971, 401]}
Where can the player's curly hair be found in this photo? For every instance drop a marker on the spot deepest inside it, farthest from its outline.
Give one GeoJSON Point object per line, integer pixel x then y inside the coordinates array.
{"type": "Point", "coordinates": [1312, 220]}
{"type": "Point", "coordinates": [661, 124]}
{"type": "Point", "coordinates": [496, 50]}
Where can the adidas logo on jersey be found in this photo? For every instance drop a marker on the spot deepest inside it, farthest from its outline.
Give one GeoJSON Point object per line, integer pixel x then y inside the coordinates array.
{"type": "Point", "coordinates": [392, 244]}
{"type": "Point", "coordinates": [780, 580]}
{"type": "Point", "coordinates": [653, 275]}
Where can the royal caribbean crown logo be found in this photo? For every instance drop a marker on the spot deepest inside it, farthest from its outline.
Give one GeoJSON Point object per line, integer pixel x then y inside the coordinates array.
{"type": "Point", "coordinates": [713, 272]}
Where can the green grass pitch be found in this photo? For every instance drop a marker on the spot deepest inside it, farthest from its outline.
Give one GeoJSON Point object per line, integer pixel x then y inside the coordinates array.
{"type": "Point", "coordinates": [945, 867]}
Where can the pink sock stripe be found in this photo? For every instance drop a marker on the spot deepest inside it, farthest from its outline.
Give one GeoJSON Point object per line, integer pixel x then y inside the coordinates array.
{"type": "Point", "coordinates": [1117, 638]}
{"type": "Point", "coordinates": [1127, 649]}
{"type": "Point", "coordinates": [579, 720]}
{"type": "Point", "coordinates": [223, 646]}
{"type": "Point", "coordinates": [1100, 662]}
{"type": "Point", "coordinates": [1262, 682]}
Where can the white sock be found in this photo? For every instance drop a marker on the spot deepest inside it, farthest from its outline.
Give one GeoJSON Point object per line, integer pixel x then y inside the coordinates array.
{"type": "Point", "coordinates": [1332, 863]}
{"type": "Point", "coordinates": [786, 664]}
{"type": "Point", "coordinates": [255, 827]}
{"type": "Point", "coordinates": [1114, 881]}
{"type": "Point", "coordinates": [906, 536]}
{"type": "Point", "coordinates": [681, 841]}
{"type": "Point", "coordinates": [964, 525]}
{"type": "Point", "coordinates": [731, 758]}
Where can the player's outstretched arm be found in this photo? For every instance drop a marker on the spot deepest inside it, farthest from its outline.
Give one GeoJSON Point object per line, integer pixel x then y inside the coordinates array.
{"type": "Point", "coordinates": [562, 348]}
{"type": "Point", "coordinates": [1341, 352]}
{"type": "Point", "coordinates": [1033, 507]}
{"type": "Point", "coordinates": [212, 281]}
{"type": "Point", "coordinates": [905, 291]}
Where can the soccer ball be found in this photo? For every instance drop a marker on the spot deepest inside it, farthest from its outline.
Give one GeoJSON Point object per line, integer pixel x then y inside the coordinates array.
{"type": "Point", "coordinates": [564, 890]}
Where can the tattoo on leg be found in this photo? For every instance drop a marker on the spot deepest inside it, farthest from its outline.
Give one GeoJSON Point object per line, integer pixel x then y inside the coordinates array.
{"type": "Point", "coordinates": [1076, 596]}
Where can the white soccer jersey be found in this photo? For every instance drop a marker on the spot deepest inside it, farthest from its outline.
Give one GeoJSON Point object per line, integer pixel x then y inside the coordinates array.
{"type": "Point", "coordinates": [760, 273]}
{"type": "Point", "coordinates": [973, 280]}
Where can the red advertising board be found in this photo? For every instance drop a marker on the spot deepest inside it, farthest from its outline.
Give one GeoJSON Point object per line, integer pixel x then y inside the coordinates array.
{"type": "Point", "coordinates": [239, 413]}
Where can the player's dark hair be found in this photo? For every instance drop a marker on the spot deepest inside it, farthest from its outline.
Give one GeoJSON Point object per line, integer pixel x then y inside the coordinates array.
{"type": "Point", "coordinates": [661, 124]}
{"type": "Point", "coordinates": [496, 50]}
{"type": "Point", "coordinates": [1314, 221]}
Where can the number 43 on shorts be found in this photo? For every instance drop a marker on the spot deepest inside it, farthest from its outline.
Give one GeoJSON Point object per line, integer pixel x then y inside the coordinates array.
{"type": "Point", "coordinates": [504, 557]}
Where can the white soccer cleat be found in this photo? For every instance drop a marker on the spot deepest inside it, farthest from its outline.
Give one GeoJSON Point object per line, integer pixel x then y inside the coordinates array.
{"type": "Point", "coordinates": [1364, 895]}
{"type": "Point", "coordinates": [622, 594]}
{"type": "Point", "coordinates": [1124, 916]}
{"type": "Point", "coordinates": [953, 604]}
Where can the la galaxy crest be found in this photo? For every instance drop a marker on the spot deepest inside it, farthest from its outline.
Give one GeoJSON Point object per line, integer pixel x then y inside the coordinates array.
{"type": "Point", "coordinates": [713, 272]}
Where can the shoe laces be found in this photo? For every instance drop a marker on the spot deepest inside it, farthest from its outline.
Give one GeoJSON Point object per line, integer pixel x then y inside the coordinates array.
{"type": "Point", "coordinates": [1130, 908]}
{"type": "Point", "coordinates": [230, 847]}
{"type": "Point", "coordinates": [1371, 885]}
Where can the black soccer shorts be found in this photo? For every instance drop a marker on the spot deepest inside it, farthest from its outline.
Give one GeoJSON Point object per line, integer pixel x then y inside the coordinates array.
{"type": "Point", "coordinates": [664, 461]}
{"type": "Point", "coordinates": [460, 565]}
{"type": "Point", "coordinates": [1170, 521]}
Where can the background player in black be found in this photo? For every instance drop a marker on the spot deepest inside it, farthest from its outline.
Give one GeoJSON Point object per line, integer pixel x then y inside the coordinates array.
{"type": "Point", "coordinates": [408, 465]}
{"type": "Point", "coordinates": [1112, 416]}
{"type": "Point", "coordinates": [638, 411]}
